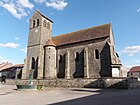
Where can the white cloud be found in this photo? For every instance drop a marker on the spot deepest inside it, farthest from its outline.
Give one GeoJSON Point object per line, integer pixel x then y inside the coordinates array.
{"type": "Point", "coordinates": [13, 11]}
{"type": "Point", "coordinates": [9, 45]}
{"type": "Point", "coordinates": [18, 8]}
{"type": "Point", "coordinates": [39, 1]}
{"type": "Point", "coordinates": [24, 49]}
{"type": "Point", "coordinates": [21, 8]}
{"type": "Point", "coordinates": [26, 3]}
{"type": "Point", "coordinates": [131, 50]}
{"type": "Point", "coordinates": [57, 4]}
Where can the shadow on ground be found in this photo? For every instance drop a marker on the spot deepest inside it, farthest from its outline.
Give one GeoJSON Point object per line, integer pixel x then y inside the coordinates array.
{"type": "Point", "coordinates": [106, 97]}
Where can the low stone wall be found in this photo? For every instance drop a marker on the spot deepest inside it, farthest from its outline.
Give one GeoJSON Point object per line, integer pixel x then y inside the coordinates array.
{"type": "Point", "coordinates": [89, 83]}
{"type": "Point", "coordinates": [133, 83]}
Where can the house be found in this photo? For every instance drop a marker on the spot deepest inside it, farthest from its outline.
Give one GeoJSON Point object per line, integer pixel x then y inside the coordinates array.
{"type": "Point", "coordinates": [12, 72]}
{"type": "Point", "coordinates": [134, 72]}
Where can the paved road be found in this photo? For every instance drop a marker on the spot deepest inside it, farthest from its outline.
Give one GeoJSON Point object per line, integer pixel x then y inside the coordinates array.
{"type": "Point", "coordinates": [71, 96]}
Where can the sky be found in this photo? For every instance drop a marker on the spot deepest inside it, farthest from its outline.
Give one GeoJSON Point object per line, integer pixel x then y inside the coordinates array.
{"type": "Point", "coordinates": [69, 16]}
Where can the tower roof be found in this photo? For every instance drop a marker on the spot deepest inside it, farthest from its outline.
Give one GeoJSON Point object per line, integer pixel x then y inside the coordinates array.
{"type": "Point", "coordinates": [44, 16]}
{"type": "Point", "coordinates": [92, 33]}
{"type": "Point", "coordinates": [50, 43]}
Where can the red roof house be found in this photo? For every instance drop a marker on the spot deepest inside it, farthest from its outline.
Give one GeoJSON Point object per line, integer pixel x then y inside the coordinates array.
{"type": "Point", "coordinates": [134, 72]}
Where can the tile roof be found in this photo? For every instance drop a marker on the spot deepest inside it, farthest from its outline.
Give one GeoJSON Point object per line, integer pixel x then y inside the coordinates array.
{"type": "Point", "coordinates": [83, 35]}
{"type": "Point", "coordinates": [11, 67]}
{"type": "Point", "coordinates": [18, 65]}
{"type": "Point", "coordinates": [5, 65]}
{"type": "Point", "coordinates": [134, 69]}
{"type": "Point", "coordinates": [50, 43]}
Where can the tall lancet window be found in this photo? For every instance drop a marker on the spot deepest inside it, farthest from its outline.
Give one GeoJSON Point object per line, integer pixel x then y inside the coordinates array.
{"type": "Point", "coordinates": [33, 23]}
{"type": "Point", "coordinates": [37, 22]}
{"type": "Point", "coordinates": [77, 57]}
{"type": "Point", "coordinates": [33, 63]}
{"type": "Point", "coordinates": [96, 54]}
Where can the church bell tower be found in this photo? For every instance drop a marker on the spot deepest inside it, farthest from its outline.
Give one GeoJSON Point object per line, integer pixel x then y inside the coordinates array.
{"type": "Point", "coordinates": [39, 32]}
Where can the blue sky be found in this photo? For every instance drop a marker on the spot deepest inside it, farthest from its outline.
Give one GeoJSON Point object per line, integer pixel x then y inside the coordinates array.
{"type": "Point", "coordinates": [68, 16]}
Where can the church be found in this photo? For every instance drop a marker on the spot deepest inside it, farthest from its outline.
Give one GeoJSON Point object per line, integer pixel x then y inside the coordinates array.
{"type": "Point", "coordinates": [87, 53]}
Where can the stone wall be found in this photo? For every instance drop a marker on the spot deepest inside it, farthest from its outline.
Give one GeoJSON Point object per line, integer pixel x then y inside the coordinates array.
{"type": "Point", "coordinates": [127, 83]}
{"type": "Point", "coordinates": [38, 35]}
{"type": "Point", "coordinates": [97, 67]}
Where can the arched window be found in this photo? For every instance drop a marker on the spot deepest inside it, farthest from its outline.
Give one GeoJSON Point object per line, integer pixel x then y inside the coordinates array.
{"type": "Point", "coordinates": [77, 56]}
{"type": "Point", "coordinates": [79, 65]}
{"type": "Point", "coordinates": [37, 22]}
{"type": "Point", "coordinates": [33, 63]}
{"type": "Point", "coordinates": [33, 23]}
{"type": "Point", "coordinates": [96, 54]}
{"type": "Point", "coordinates": [62, 66]}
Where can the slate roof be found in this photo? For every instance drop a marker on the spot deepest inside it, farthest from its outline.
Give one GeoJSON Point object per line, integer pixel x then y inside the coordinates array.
{"type": "Point", "coordinates": [83, 35]}
{"type": "Point", "coordinates": [134, 69]}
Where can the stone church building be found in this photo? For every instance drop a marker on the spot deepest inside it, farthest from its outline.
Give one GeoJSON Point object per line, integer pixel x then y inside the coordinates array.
{"type": "Point", "coordinates": [87, 53]}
